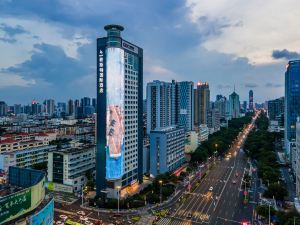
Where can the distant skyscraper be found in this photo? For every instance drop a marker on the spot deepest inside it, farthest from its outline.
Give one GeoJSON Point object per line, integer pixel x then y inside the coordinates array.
{"type": "Point", "coordinates": [245, 106]}
{"type": "Point", "coordinates": [292, 102]}
{"type": "Point", "coordinates": [36, 108]}
{"type": "Point", "coordinates": [61, 109]}
{"type": "Point", "coordinates": [161, 105]}
{"type": "Point", "coordinates": [251, 100]}
{"type": "Point", "coordinates": [275, 108]}
{"type": "Point", "coordinates": [234, 105]}
{"type": "Point", "coordinates": [185, 106]}
{"type": "Point", "coordinates": [94, 102]}
{"type": "Point", "coordinates": [86, 101]}
{"type": "Point", "coordinates": [201, 103]}
{"type": "Point", "coordinates": [119, 155]}
{"type": "Point", "coordinates": [50, 107]}
{"type": "Point", "coordinates": [70, 108]}
{"type": "Point", "coordinates": [220, 105]}
{"type": "Point", "coordinates": [17, 109]}
{"type": "Point", "coordinates": [3, 108]}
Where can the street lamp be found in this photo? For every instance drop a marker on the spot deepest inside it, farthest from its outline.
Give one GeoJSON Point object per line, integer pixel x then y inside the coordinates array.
{"type": "Point", "coordinates": [118, 189]}
{"type": "Point", "coordinates": [160, 196]}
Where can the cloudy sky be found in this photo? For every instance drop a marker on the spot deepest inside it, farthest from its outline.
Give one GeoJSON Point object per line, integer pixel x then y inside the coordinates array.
{"type": "Point", "coordinates": [47, 48]}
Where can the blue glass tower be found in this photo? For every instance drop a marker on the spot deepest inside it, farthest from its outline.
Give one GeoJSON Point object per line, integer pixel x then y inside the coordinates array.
{"type": "Point", "coordinates": [292, 102]}
{"type": "Point", "coordinates": [119, 154]}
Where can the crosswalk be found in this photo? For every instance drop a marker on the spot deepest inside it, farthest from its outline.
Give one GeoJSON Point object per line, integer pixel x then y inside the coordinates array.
{"type": "Point", "coordinates": [195, 215]}
{"type": "Point", "coordinates": [177, 221]}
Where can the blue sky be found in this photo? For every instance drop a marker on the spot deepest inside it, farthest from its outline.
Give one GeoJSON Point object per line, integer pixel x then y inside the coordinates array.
{"type": "Point", "coordinates": [48, 47]}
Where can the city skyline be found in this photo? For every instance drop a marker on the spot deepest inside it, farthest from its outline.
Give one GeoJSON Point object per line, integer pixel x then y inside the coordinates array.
{"type": "Point", "coordinates": [45, 64]}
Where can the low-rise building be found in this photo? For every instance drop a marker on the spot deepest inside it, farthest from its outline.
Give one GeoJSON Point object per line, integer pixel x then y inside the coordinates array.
{"type": "Point", "coordinates": [203, 133]}
{"type": "Point", "coordinates": [70, 166]}
{"type": "Point", "coordinates": [23, 198]}
{"type": "Point", "coordinates": [166, 150]}
{"type": "Point", "coordinates": [25, 158]}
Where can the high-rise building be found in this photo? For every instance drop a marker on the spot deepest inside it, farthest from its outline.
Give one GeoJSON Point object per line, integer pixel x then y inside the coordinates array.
{"type": "Point", "coordinates": [250, 100]}
{"type": "Point", "coordinates": [161, 105]}
{"type": "Point", "coordinates": [291, 102]}
{"type": "Point", "coordinates": [50, 106]}
{"type": "Point", "coordinates": [70, 108]}
{"type": "Point", "coordinates": [94, 102]}
{"type": "Point", "coordinates": [245, 106]}
{"type": "Point", "coordinates": [185, 106]}
{"type": "Point", "coordinates": [86, 101]}
{"type": "Point", "coordinates": [17, 109]}
{"type": "Point", "coordinates": [119, 154]}
{"type": "Point", "coordinates": [234, 105]}
{"type": "Point", "coordinates": [275, 108]}
{"type": "Point", "coordinates": [3, 108]}
{"type": "Point", "coordinates": [36, 108]}
{"type": "Point", "coordinates": [220, 105]}
{"type": "Point", "coordinates": [201, 103]}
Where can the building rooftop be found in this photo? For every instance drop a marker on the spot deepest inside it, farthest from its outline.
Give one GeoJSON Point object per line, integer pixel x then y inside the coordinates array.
{"type": "Point", "coordinates": [72, 150]}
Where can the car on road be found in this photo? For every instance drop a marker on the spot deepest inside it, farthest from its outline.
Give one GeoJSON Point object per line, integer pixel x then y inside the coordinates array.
{"type": "Point", "coordinates": [236, 174]}
{"type": "Point", "coordinates": [189, 215]}
{"type": "Point", "coordinates": [211, 188]}
{"type": "Point", "coordinates": [234, 181]}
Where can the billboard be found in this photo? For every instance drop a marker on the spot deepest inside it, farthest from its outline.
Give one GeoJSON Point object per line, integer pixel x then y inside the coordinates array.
{"type": "Point", "coordinates": [44, 216]}
{"type": "Point", "coordinates": [115, 130]}
{"type": "Point", "coordinates": [14, 205]}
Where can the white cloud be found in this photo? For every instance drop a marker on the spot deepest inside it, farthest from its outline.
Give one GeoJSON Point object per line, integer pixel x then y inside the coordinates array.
{"type": "Point", "coordinates": [38, 32]}
{"type": "Point", "coordinates": [258, 27]}
{"type": "Point", "coordinates": [9, 80]}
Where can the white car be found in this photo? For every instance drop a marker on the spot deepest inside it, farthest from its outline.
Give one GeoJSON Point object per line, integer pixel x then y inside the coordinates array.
{"type": "Point", "coordinates": [211, 189]}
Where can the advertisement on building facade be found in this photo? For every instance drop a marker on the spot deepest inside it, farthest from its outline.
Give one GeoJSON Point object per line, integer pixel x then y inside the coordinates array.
{"type": "Point", "coordinates": [15, 205]}
{"type": "Point", "coordinates": [45, 216]}
{"type": "Point", "coordinates": [115, 130]}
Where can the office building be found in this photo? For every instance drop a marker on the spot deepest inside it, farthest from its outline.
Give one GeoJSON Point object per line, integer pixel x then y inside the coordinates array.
{"type": "Point", "coordinates": [275, 108]}
{"type": "Point", "coordinates": [220, 105]}
{"type": "Point", "coordinates": [185, 107]}
{"type": "Point", "coordinates": [94, 103]}
{"type": "Point", "coordinates": [201, 103]}
{"type": "Point", "coordinates": [161, 105]}
{"type": "Point", "coordinates": [17, 109]}
{"type": "Point", "coordinates": [250, 100]}
{"type": "Point", "coordinates": [234, 105]}
{"type": "Point", "coordinates": [119, 154]}
{"type": "Point", "coordinates": [245, 106]}
{"type": "Point", "coordinates": [291, 102]}
{"type": "Point", "coordinates": [3, 108]}
{"type": "Point", "coordinates": [70, 108]}
{"type": "Point", "coordinates": [166, 150]}
{"type": "Point", "coordinates": [50, 107]}
{"type": "Point", "coordinates": [70, 166]}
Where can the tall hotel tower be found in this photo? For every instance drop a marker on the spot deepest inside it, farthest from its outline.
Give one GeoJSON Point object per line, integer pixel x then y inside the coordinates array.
{"type": "Point", "coordinates": [119, 156]}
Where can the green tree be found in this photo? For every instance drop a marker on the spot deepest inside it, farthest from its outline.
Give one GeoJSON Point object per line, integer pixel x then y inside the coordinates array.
{"type": "Point", "coordinates": [263, 210]}
{"type": "Point", "coordinates": [277, 190]}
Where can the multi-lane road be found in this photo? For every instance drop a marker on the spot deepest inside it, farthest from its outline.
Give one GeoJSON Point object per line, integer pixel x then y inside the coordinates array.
{"type": "Point", "coordinates": [219, 197]}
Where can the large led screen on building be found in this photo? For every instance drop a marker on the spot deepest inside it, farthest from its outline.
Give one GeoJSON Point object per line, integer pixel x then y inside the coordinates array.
{"type": "Point", "coordinates": [115, 130]}
{"type": "Point", "coordinates": [44, 216]}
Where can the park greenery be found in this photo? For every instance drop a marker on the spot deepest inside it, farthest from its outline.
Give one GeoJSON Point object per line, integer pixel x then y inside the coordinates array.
{"type": "Point", "coordinates": [220, 141]}
{"type": "Point", "coordinates": [259, 146]}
